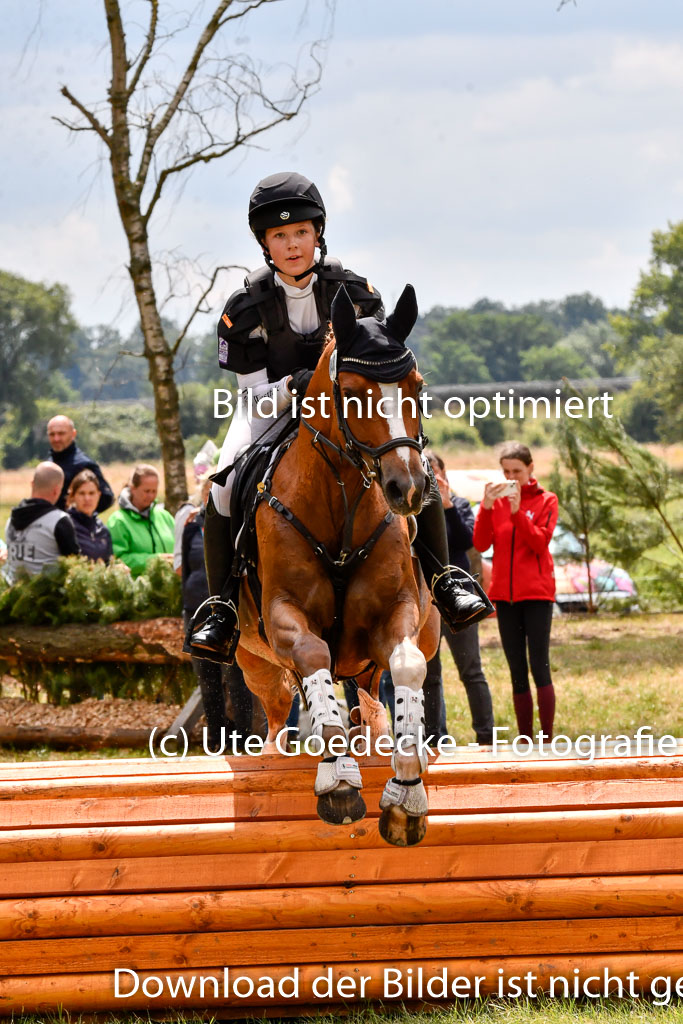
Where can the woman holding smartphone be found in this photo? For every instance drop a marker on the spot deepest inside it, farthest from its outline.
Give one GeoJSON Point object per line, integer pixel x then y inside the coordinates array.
{"type": "Point", "coordinates": [518, 517]}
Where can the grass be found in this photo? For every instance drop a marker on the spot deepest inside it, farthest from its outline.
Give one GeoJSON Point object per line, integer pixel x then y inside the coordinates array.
{"type": "Point", "coordinates": [541, 1011]}
{"type": "Point", "coordinates": [16, 483]}
{"type": "Point", "coordinates": [46, 754]}
{"type": "Point", "coordinates": [486, 1011]}
{"type": "Point", "coordinates": [545, 456]}
{"type": "Point", "coordinates": [612, 674]}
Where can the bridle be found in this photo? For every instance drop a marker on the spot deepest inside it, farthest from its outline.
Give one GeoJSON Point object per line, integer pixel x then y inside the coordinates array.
{"type": "Point", "coordinates": [357, 452]}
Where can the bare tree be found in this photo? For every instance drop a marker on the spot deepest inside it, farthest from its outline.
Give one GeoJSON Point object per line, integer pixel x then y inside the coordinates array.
{"type": "Point", "coordinates": [155, 129]}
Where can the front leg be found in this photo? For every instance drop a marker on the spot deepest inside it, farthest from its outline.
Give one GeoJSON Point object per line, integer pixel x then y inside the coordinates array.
{"type": "Point", "coordinates": [404, 801]}
{"type": "Point", "coordinates": [296, 645]}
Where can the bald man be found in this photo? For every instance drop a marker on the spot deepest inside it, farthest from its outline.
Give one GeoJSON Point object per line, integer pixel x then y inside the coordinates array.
{"type": "Point", "coordinates": [37, 532]}
{"type": "Point", "coordinates": [65, 453]}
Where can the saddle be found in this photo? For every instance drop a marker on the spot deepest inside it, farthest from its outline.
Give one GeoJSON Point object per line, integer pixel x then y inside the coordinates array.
{"type": "Point", "coordinates": [252, 469]}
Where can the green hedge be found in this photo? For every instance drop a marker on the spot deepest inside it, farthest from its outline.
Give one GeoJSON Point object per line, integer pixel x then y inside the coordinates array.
{"type": "Point", "coordinates": [111, 431]}
{"type": "Point", "coordinates": [77, 590]}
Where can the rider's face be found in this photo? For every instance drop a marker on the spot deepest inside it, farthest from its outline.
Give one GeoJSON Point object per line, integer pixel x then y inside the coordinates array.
{"type": "Point", "coordinates": [291, 248]}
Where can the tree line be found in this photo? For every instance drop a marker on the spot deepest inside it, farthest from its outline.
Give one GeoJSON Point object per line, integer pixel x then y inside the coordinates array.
{"type": "Point", "coordinates": [50, 360]}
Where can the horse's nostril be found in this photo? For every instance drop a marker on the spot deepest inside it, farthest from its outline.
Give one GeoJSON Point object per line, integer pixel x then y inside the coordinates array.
{"type": "Point", "coordinates": [394, 492]}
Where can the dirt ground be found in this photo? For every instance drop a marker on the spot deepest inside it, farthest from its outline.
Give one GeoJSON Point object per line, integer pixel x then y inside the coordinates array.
{"type": "Point", "coordinates": [110, 713]}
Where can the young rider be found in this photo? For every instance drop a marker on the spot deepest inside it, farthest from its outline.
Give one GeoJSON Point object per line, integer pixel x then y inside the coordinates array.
{"type": "Point", "coordinates": [271, 334]}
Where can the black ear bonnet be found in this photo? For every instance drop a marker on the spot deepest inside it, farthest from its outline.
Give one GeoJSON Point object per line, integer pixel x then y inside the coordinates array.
{"type": "Point", "coordinates": [373, 349]}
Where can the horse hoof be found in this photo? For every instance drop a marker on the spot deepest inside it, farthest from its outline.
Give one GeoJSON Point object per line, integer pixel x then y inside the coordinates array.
{"type": "Point", "coordinates": [341, 806]}
{"type": "Point", "coordinates": [401, 829]}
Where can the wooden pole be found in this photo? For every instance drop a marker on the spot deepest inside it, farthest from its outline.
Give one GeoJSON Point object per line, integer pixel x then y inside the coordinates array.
{"type": "Point", "coordinates": [503, 900]}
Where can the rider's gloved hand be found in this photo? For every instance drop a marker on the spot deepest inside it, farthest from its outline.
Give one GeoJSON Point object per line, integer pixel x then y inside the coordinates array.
{"type": "Point", "coordinates": [299, 381]}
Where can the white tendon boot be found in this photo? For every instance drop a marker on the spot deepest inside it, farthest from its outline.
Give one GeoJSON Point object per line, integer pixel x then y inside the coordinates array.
{"type": "Point", "coordinates": [408, 729]}
{"type": "Point", "coordinates": [409, 724]}
{"type": "Point", "coordinates": [324, 710]}
{"type": "Point", "coordinates": [322, 703]}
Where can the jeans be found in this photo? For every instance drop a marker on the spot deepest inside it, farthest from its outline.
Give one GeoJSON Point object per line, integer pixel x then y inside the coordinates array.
{"type": "Point", "coordinates": [464, 647]}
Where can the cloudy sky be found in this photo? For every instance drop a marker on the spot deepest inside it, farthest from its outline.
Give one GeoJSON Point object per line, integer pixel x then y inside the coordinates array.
{"type": "Point", "coordinates": [500, 148]}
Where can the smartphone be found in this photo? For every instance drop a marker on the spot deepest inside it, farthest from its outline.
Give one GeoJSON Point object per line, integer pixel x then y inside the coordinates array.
{"type": "Point", "coordinates": [510, 489]}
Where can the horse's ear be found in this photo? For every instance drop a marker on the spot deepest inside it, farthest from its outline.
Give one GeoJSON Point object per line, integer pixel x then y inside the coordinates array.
{"type": "Point", "coordinates": [343, 316]}
{"type": "Point", "coordinates": [401, 322]}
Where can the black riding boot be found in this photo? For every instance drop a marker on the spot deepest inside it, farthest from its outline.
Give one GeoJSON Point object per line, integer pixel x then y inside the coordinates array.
{"type": "Point", "coordinates": [458, 606]}
{"type": "Point", "coordinates": [215, 637]}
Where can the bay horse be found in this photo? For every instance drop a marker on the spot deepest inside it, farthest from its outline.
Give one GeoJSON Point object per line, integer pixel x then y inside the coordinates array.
{"type": "Point", "coordinates": [334, 557]}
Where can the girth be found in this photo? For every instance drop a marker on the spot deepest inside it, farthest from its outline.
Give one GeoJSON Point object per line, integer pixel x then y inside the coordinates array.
{"type": "Point", "coordinates": [338, 569]}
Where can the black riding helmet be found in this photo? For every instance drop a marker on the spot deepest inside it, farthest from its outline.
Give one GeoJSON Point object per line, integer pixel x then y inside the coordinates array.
{"type": "Point", "coordinates": [285, 198]}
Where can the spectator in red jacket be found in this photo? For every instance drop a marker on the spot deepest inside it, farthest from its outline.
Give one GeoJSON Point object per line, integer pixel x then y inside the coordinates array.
{"type": "Point", "coordinates": [523, 581]}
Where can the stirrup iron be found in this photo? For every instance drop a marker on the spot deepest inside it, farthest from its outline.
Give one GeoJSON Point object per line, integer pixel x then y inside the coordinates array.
{"type": "Point", "coordinates": [458, 606]}
{"type": "Point", "coordinates": [225, 654]}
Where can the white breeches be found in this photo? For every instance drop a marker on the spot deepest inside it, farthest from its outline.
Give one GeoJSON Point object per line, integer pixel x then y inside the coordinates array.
{"type": "Point", "coordinates": [243, 431]}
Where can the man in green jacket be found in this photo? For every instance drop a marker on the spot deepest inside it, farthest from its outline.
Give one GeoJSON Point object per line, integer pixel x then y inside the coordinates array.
{"type": "Point", "coordinates": [140, 529]}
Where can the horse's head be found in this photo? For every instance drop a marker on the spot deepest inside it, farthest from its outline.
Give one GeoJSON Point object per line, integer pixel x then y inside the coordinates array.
{"type": "Point", "coordinates": [376, 394]}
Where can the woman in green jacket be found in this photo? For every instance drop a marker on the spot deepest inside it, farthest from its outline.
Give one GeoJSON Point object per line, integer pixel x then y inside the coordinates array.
{"type": "Point", "coordinates": [140, 529]}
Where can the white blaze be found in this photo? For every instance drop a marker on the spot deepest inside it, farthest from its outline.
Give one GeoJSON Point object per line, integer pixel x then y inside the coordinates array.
{"type": "Point", "coordinates": [394, 418]}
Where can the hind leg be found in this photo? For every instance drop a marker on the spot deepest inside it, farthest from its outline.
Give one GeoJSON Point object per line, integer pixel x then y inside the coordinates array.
{"type": "Point", "coordinates": [267, 681]}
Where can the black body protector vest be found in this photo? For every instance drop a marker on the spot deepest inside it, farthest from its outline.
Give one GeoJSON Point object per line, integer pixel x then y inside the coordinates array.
{"type": "Point", "coordinates": [278, 348]}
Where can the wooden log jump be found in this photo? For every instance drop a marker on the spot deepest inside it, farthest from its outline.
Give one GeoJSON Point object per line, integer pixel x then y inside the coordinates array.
{"type": "Point", "coordinates": [209, 883]}
{"type": "Point", "coordinates": [145, 641]}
